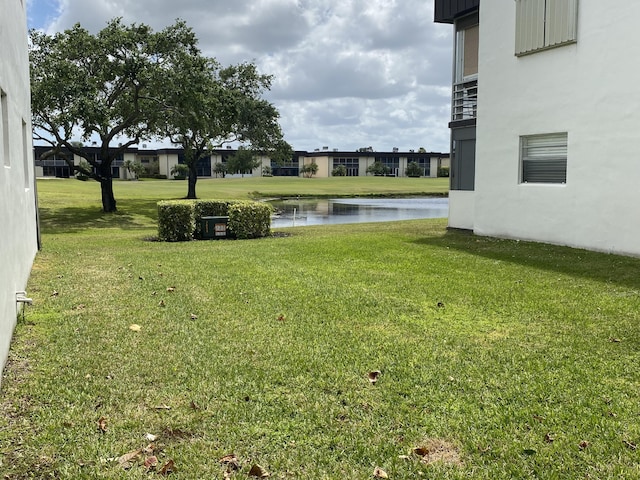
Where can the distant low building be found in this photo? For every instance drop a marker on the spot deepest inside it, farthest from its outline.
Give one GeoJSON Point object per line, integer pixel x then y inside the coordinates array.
{"type": "Point", "coordinates": [161, 162]}
{"type": "Point", "coordinates": [18, 217]}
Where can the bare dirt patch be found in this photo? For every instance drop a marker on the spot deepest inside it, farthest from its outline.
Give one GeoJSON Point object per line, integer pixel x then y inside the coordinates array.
{"type": "Point", "coordinates": [435, 450]}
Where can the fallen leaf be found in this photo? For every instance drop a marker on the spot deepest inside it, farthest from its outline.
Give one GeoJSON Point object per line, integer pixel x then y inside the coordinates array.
{"type": "Point", "coordinates": [583, 444]}
{"type": "Point", "coordinates": [140, 277]}
{"type": "Point", "coordinates": [538, 418]}
{"type": "Point", "coordinates": [162, 407]}
{"type": "Point", "coordinates": [79, 307]}
{"type": "Point", "coordinates": [404, 457]}
{"type": "Point", "coordinates": [151, 462]}
{"type": "Point", "coordinates": [421, 451]}
{"type": "Point", "coordinates": [151, 437]}
{"type": "Point", "coordinates": [154, 293]}
{"type": "Point", "coordinates": [373, 376]}
{"type": "Point", "coordinates": [440, 305]}
{"type": "Point", "coordinates": [194, 406]}
{"type": "Point", "coordinates": [59, 276]}
{"type": "Point", "coordinates": [630, 445]}
{"type": "Point", "coordinates": [231, 461]}
{"type": "Point", "coordinates": [281, 318]}
{"type": "Point", "coordinates": [258, 471]}
{"type": "Point", "coordinates": [54, 293]}
{"type": "Point", "coordinates": [549, 438]}
{"type": "Point", "coordinates": [615, 340]}
{"type": "Point", "coordinates": [167, 468]}
{"type": "Point", "coordinates": [161, 304]}
{"type": "Point", "coordinates": [171, 289]}
{"type": "Point", "coordinates": [194, 316]}
{"type": "Point", "coordinates": [127, 460]}
{"type": "Point", "coordinates": [379, 473]}
{"type": "Point", "coordinates": [102, 424]}
{"type": "Point", "coordinates": [149, 449]}
{"type": "Point", "coordinates": [135, 327]}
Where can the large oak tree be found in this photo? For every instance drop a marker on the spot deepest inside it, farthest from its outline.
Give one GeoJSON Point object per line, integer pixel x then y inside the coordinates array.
{"type": "Point", "coordinates": [103, 88]}
{"type": "Point", "coordinates": [214, 106]}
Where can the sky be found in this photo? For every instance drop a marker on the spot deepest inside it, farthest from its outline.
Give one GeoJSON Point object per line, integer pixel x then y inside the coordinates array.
{"type": "Point", "coordinates": [347, 73]}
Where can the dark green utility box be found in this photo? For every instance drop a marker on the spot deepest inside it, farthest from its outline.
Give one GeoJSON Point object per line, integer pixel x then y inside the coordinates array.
{"type": "Point", "coordinates": [215, 227]}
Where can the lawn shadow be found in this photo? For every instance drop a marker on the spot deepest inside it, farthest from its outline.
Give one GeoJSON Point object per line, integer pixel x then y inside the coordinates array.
{"type": "Point", "coordinates": [602, 267]}
{"type": "Point", "coordinates": [131, 214]}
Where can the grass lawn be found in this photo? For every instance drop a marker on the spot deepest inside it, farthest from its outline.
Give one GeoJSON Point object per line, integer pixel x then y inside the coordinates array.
{"type": "Point", "coordinates": [498, 359]}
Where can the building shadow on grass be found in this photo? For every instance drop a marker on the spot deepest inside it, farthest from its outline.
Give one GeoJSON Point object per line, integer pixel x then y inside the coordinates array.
{"type": "Point", "coordinates": [602, 267]}
{"type": "Point", "coordinates": [131, 215]}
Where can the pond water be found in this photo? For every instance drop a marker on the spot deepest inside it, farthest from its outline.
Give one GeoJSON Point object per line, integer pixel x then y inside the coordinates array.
{"type": "Point", "coordinates": [304, 212]}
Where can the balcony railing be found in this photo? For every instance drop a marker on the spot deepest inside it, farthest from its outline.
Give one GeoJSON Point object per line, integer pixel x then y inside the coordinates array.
{"type": "Point", "coordinates": [465, 100]}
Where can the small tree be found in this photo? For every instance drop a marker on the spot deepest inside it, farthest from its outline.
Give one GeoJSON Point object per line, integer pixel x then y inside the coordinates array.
{"type": "Point", "coordinates": [134, 168]}
{"type": "Point", "coordinates": [309, 170]}
{"type": "Point", "coordinates": [378, 168]}
{"type": "Point", "coordinates": [267, 171]}
{"type": "Point", "coordinates": [339, 171]}
{"type": "Point", "coordinates": [242, 162]}
{"type": "Point", "coordinates": [220, 169]}
{"type": "Point", "coordinates": [413, 170]}
{"type": "Point", "coordinates": [179, 171]}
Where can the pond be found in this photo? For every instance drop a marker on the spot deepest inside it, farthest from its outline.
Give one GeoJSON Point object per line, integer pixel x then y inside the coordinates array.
{"type": "Point", "coordinates": [304, 212]}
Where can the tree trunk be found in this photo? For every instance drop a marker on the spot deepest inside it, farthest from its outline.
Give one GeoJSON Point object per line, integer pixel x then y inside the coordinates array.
{"type": "Point", "coordinates": [108, 200]}
{"type": "Point", "coordinates": [192, 178]}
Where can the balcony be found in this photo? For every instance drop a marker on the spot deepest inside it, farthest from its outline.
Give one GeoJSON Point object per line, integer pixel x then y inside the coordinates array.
{"type": "Point", "coordinates": [465, 100]}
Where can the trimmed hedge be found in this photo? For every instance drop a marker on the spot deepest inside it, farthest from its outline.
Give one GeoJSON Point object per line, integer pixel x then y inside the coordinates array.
{"type": "Point", "coordinates": [180, 220]}
{"type": "Point", "coordinates": [176, 221]}
{"type": "Point", "coordinates": [250, 219]}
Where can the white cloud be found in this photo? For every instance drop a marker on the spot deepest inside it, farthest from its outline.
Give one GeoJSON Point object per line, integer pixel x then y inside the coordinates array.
{"type": "Point", "coordinates": [348, 73]}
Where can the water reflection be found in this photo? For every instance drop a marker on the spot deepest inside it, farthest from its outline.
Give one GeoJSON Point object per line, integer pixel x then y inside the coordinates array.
{"type": "Point", "coordinates": [303, 212]}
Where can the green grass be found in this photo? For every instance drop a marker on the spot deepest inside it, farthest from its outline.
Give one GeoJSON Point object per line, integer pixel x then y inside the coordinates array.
{"type": "Point", "coordinates": [491, 347]}
{"type": "Point", "coordinates": [71, 205]}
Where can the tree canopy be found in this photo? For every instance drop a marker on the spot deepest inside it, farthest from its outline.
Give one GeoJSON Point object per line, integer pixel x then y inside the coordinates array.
{"type": "Point", "coordinates": [127, 84]}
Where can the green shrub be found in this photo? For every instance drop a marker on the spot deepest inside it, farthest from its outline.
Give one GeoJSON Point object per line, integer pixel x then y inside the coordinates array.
{"type": "Point", "coordinates": [413, 170]}
{"type": "Point", "coordinates": [250, 219]}
{"type": "Point", "coordinates": [339, 171]}
{"type": "Point", "coordinates": [443, 171]}
{"type": "Point", "coordinates": [176, 221]}
{"type": "Point", "coordinates": [160, 176]}
{"type": "Point", "coordinates": [209, 208]}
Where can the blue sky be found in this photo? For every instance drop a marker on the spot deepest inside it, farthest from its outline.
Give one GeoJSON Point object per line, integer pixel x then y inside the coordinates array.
{"type": "Point", "coordinates": [348, 73]}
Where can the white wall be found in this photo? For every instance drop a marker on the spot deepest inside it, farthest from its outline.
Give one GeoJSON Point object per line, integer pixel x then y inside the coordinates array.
{"type": "Point", "coordinates": [585, 89]}
{"type": "Point", "coordinates": [18, 233]}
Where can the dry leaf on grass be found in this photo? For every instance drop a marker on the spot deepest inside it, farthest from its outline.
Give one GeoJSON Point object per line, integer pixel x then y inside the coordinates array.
{"type": "Point", "coordinates": [194, 316]}
{"type": "Point", "coordinates": [54, 293]}
{"type": "Point", "coordinates": [379, 473]}
{"type": "Point", "coordinates": [127, 460]}
{"type": "Point", "coordinates": [167, 468]}
{"type": "Point", "coordinates": [630, 445]}
{"type": "Point", "coordinates": [171, 289]}
{"type": "Point", "coordinates": [231, 462]}
{"type": "Point", "coordinates": [583, 444]}
{"type": "Point", "coordinates": [151, 437]}
{"type": "Point", "coordinates": [102, 424]}
{"type": "Point", "coordinates": [549, 437]}
{"type": "Point", "coordinates": [151, 462]}
{"type": "Point", "coordinates": [135, 327]}
{"type": "Point", "coordinates": [437, 450]}
{"type": "Point", "coordinates": [373, 376]}
{"type": "Point", "coordinates": [258, 471]}
{"type": "Point", "coordinates": [162, 407]}
{"type": "Point", "coordinates": [161, 304]}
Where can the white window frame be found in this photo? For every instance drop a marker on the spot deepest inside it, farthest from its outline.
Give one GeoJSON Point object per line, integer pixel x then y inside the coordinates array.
{"type": "Point", "coordinates": [543, 158]}
{"type": "Point", "coordinates": [544, 24]}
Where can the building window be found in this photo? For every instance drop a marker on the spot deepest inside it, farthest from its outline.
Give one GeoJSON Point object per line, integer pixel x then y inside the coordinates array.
{"type": "Point", "coordinates": [542, 24]}
{"type": "Point", "coordinates": [351, 164]}
{"type": "Point", "coordinates": [544, 158]}
{"type": "Point", "coordinates": [465, 84]}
